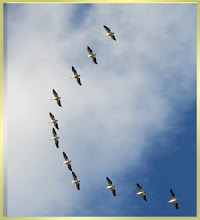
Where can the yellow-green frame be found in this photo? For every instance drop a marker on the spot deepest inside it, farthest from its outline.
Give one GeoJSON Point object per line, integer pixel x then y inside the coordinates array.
{"type": "Point", "coordinates": [2, 2]}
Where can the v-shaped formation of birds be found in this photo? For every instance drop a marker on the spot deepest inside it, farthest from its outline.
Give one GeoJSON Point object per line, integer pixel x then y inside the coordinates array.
{"type": "Point", "coordinates": [55, 137]}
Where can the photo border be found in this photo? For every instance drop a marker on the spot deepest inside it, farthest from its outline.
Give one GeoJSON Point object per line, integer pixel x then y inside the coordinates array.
{"type": "Point", "coordinates": [2, 182]}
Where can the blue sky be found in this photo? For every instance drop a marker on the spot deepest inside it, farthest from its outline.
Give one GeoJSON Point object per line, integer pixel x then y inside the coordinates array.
{"type": "Point", "coordinates": [133, 120]}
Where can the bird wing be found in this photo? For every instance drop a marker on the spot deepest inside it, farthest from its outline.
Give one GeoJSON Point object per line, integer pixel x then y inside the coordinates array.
{"type": "Point", "coordinates": [69, 166]}
{"type": "Point", "coordinates": [176, 205]}
{"type": "Point", "coordinates": [107, 29]}
{"type": "Point", "coordinates": [59, 102]}
{"type": "Point", "coordinates": [74, 176]}
{"type": "Point", "coordinates": [54, 132]}
{"type": "Point", "coordinates": [94, 60]}
{"type": "Point", "coordinates": [144, 197]}
{"type": "Point", "coordinates": [56, 125]}
{"type": "Point", "coordinates": [89, 50]}
{"type": "Point", "coordinates": [79, 81]}
{"type": "Point", "coordinates": [51, 115]}
{"type": "Point", "coordinates": [172, 194]}
{"type": "Point", "coordinates": [113, 191]}
{"type": "Point", "coordinates": [65, 156]}
{"type": "Point", "coordinates": [57, 143]}
{"type": "Point", "coordinates": [78, 186]}
{"type": "Point", "coordinates": [113, 37]}
{"type": "Point", "coordinates": [74, 71]}
{"type": "Point", "coordinates": [140, 188]}
{"type": "Point", "coordinates": [55, 93]}
{"type": "Point", "coordinates": [109, 181]}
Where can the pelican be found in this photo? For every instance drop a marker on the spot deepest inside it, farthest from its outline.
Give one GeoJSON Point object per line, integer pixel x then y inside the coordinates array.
{"type": "Point", "coordinates": [141, 192]}
{"type": "Point", "coordinates": [110, 186]}
{"type": "Point", "coordinates": [76, 181]}
{"type": "Point", "coordinates": [76, 76]}
{"type": "Point", "coordinates": [57, 98]}
{"type": "Point", "coordinates": [173, 199]}
{"type": "Point", "coordinates": [53, 120]}
{"type": "Point", "coordinates": [92, 55]}
{"type": "Point", "coordinates": [109, 33]}
{"type": "Point", "coordinates": [55, 138]}
{"type": "Point", "coordinates": [67, 161]}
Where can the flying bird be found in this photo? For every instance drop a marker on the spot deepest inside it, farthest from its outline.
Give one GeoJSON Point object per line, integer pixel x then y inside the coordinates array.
{"type": "Point", "coordinates": [141, 192]}
{"type": "Point", "coordinates": [76, 76]}
{"type": "Point", "coordinates": [110, 186]}
{"type": "Point", "coordinates": [173, 199]}
{"type": "Point", "coordinates": [57, 98]}
{"type": "Point", "coordinates": [55, 138]}
{"type": "Point", "coordinates": [92, 55]}
{"type": "Point", "coordinates": [67, 161]}
{"type": "Point", "coordinates": [53, 120]}
{"type": "Point", "coordinates": [109, 33]}
{"type": "Point", "coordinates": [76, 181]}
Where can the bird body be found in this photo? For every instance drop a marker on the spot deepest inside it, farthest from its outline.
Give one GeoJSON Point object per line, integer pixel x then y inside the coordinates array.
{"type": "Point", "coordinates": [110, 187]}
{"type": "Point", "coordinates": [67, 161]}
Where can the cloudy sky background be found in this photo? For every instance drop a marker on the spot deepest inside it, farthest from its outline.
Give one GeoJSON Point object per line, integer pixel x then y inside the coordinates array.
{"type": "Point", "coordinates": [133, 120]}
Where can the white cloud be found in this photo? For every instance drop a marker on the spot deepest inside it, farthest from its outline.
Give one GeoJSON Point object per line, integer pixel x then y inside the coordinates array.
{"type": "Point", "coordinates": [108, 123]}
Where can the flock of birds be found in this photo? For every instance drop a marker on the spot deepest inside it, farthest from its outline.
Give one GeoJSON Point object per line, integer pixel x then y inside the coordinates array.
{"type": "Point", "coordinates": [110, 186]}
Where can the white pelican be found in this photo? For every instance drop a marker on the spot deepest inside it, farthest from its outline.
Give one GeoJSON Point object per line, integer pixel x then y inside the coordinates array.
{"type": "Point", "coordinates": [67, 161]}
{"type": "Point", "coordinates": [57, 98]}
{"type": "Point", "coordinates": [55, 138]}
{"type": "Point", "coordinates": [76, 76]}
{"type": "Point", "coordinates": [92, 55]}
{"type": "Point", "coordinates": [76, 181]}
{"type": "Point", "coordinates": [141, 192]}
{"type": "Point", "coordinates": [173, 199]}
{"type": "Point", "coordinates": [53, 120]}
{"type": "Point", "coordinates": [110, 186]}
{"type": "Point", "coordinates": [109, 33]}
